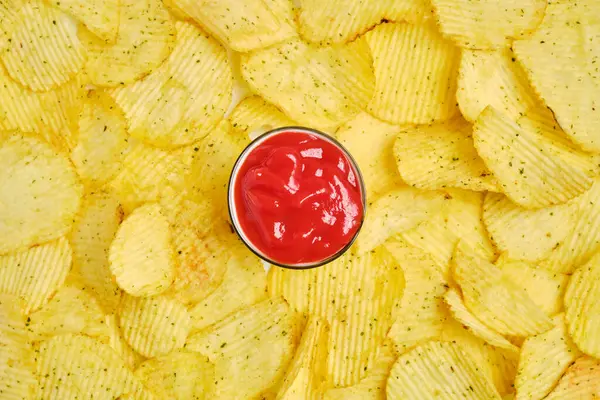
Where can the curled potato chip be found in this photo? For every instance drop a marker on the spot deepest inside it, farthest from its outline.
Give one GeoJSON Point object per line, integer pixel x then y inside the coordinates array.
{"type": "Point", "coordinates": [44, 194]}
{"type": "Point", "coordinates": [35, 274]}
{"type": "Point", "coordinates": [533, 163]}
{"type": "Point", "coordinates": [101, 17]}
{"type": "Point", "coordinates": [561, 61]}
{"type": "Point", "coordinates": [243, 26]}
{"type": "Point", "coordinates": [182, 100]}
{"type": "Point", "coordinates": [255, 113]}
{"type": "Point", "coordinates": [141, 255]}
{"type": "Point", "coordinates": [154, 326]}
{"type": "Point", "coordinates": [442, 155]}
{"type": "Point", "coordinates": [581, 381]}
{"type": "Point", "coordinates": [370, 142]}
{"type": "Point", "coordinates": [145, 38]}
{"type": "Point", "coordinates": [320, 87]}
{"type": "Point", "coordinates": [419, 87]}
{"type": "Point", "coordinates": [438, 369]}
{"type": "Point", "coordinates": [485, 24]}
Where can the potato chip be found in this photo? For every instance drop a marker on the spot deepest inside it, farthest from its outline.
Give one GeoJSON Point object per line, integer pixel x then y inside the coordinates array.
{"type": "Point", "coordinates": [251, 348]}
{"type": "Point", "coordinates": [487, 24]}
{"type": "Point", "coordinates": [523, 234]}
{"type": "Point", "coordinates": [545, 288]}
{"type": "Point", "coordinates": [35, 274]}
{"type": "Point", "coordinates": [145, 39]}
{"type": "Point", "coordinates": [44, 194]}
{"type": "Point", "coordinates": [581, 381]}
{"type": "Point", "coordinates": [534, 164]}
{"type": "Point", "coordinates": [493, 78]}
{"type": "Point", "coordinates": [370, 142]}
{"type": "Point", "coordinates": [154, 326]}
{"type": "Point", "coordinates": [74, 366]}
{"type": "Point", "coordinates": [243, 26]}
{"type": "Point", "coordinates": [419, 87]}
{"type": "Point", "coordinates": [582, 308]}
{"type": "Point", "coordinates": [9, 15]}
{"type": "Point", "coordinates": [182, 100]}
{"type": "Point", "coordinates": [544, 359]}
{"type": "Point", "coordinates": [255, 113]}
{"type": "Point", "coordinates": [442, 155]}
{"type": "Point", "coordinates": [101, 17]}
{"type": "Point", "coordinates": [438, 369]}
{"type": "Point", "coordinates": [397, 211]}
{"type": "Point", "coordinates": [52, 53]}
{"type": "Point", "coordinates": [460, 312]}
{"type": "Point", "coordinates": [180, 375]}
{"type": "Point", "coordinates": [322, 22]}
{"type": "Point", "coordinates": [495, 300]}
{"type": "Point", "coordinates": [141, 255]}
{"type": "Point", "coordinates": [320, 87]}
{"type": "Point", "coordinates": [560, 60]}
{"type": "Point", "coordinates": [118, 343]}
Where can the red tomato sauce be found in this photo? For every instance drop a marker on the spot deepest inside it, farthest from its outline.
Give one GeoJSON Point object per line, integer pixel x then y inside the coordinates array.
{"type": "Point", "coordinates": [298, 198]}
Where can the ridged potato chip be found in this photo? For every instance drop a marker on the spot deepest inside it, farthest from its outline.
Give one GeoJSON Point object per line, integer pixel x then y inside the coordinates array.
{"type": "Point", "coordinates": [101, 17]}
{"type": "Point", "coordinates": [34, 275]}
{"type": "Point", "coordinates": [496, 301]}
{"type": "Point", "coordinates": [440, 156]}
{"type": "Point", "coordinates": [534, 164]}
{"type": "Point", "coordinates": [9, 15]}
{"type": "Point", "coordinates": [488, 24]}
{"type": "Point", "coordinates": [581, 381]}
{"type": "Point", "coordinates": [52, 55]}
{"type": "Point", "coordinates": [180, 375]}
{"type": "Point", "coordinates": [560, 59]}
{"type": "Point", "coordinates": [544, 359]}
{"type": "Point", "coordinates": [420, 86]}
{"type": "Point", "coordinates": [145, 39]}
{"type": "Point", "coordinates": [320, 87]}
{"type": "Point", "coordinates": [102, 141]}
{"type": "Point", "coordinates": [141, 255]}
{"type": "Point", "coordinates": [118, 343]}
{"type": "Point", "coordinates": [251, 349]}
{"type": "Point", "coordinates": [255, 113]}
{"type": "Point", "coordinates": [438, 370]}
{"type": "Point", "coordinates": [370, 142]}
{"type": "Point", "coordinates": [44, 196]}
{"type": "Point", "coordinates": [154, 326]}
{"type": "Point", "coordinates": [243, 26]}
{"type": "Point", "coordinates": [182, 100]}
{"type": "Point", "coordinates": [493, 78]}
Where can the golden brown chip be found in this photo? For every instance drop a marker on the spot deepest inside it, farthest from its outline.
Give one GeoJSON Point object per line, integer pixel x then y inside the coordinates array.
{"type": "Point", "coordinates": [581, 381]}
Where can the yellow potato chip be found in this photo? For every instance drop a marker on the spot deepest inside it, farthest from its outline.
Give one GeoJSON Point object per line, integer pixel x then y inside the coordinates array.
{"type": "Point", "coordinates": [74, 366]}
{"type": "Point", "coordinates": [255, 113]}
{"type": "Point", "coordinates": [154, 326]}
{"type": "Point", "coordinates": [243, 26]}
{"type": "Point", "coordinates": [322, 22]}
{"type": "Point", "coordinates": [35, 274]}
{"type": "Point", "coordinates": [488, 24]}
{"type": "Point", "coordinates": [370, 143]}
{"type": "Point", "coordinates": [581, 381]}
{"type": "Point", "coordinates": [493, 78]}
{"type": "Point", "coordinates": [101, 17]}
{"type": "Point", "coordinates": [102, 141]}
{"type": "Point", "coordinates": [397, 211]}
{"type": "Point", "coordinates": [438, 370]}
{"type": "Point", "coordinates": [320, 87]}
{"type": "Point", "coordinates": [560, 59]}
{"type": "Point", "coordinates": [141, 255]}
{"type": "Point", "coordinates": [442, 155]}
{"type": "Point", "coordinates": [544, 359]}
{"type": "Point", "coordinates": [44, 194]}
{"type": "Point", "coordinates": [118, 343]}
{"type": "Point", "coordinates": [582, 308]}
{"type": "Point", "coordinates": [419, 86]}
{"type": "Point", "coordinates": [145, 39]}
{"type": "Point", "coordinates": [545, 288]}
{"type": "Point", "coordinates": [179, 375]}
{"type": "Point", "coordinates": [9, 15]}
{"type": "Point", "coordinates": [535, 166]}
{"type": "Point", "coordinates": [495, 300]}
{"type": "Point", "coordinates": [52, 53]}
{"type": "Point", "coordinates": [182, 100]}
{"type": "Point", "coordinates": [251, 348]}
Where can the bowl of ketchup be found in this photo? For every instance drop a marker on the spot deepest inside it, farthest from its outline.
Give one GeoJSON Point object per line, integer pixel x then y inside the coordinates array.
{"type": "Point", "coordinates": [296, 198]}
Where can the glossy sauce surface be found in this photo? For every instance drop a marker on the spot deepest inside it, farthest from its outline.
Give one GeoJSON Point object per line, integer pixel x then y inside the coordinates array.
{"type": "Point", "coordinates": [297, 198]}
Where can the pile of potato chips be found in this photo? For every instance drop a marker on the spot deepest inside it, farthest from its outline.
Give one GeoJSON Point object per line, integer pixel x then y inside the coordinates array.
{"type": "Point", "coordinates": [476, 124]}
